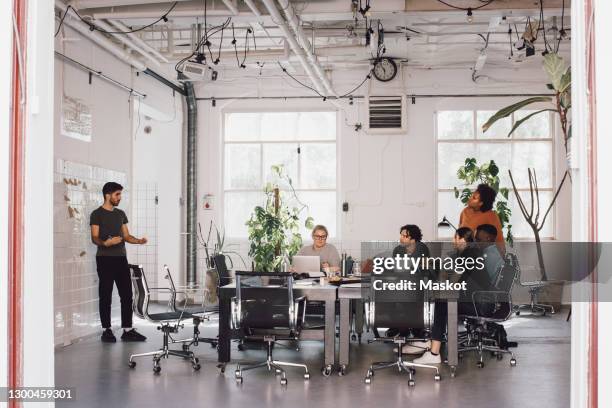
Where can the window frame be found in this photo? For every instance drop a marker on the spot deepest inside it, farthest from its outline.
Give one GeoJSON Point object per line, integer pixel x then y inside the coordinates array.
{"type": "Point", "coordinates": [552, 126]}
{"type": "Point", "coordinates": [297, 142]}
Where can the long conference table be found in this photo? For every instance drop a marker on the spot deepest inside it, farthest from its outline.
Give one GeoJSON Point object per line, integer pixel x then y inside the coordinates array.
{"type": "Point", "coordinates": [347, 295]}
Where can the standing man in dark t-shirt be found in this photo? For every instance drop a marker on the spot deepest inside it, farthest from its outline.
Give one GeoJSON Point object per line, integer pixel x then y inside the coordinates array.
{"type": "Point", "coordinates": [109, 232]}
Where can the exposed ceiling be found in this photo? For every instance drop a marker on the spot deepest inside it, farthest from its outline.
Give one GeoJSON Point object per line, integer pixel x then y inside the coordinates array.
{"type": "Point", "coordinates": [420, 33]}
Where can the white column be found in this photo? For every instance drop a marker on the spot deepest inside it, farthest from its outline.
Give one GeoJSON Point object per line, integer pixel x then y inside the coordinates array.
{"type": "Point", "coordinates": [38, 327]}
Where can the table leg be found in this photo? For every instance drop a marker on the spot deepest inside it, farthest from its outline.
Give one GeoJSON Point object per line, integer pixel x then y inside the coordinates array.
{"type": "Point", "coordinates": [452, 346]}
{"type": "Point", "coordinates": [225, 333]}
{"type": "Point", "coordinates": [359, 318]}
{"type": "Point", "coordinates": [345, 320]}
{"type": "Point", "coordinates": [330, 336]}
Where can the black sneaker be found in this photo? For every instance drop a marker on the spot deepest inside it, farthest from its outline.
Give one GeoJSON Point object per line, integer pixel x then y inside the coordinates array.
{"type": "Point", "coordinates": [132, 335]}
{"type": "Point", "coordinates": [108, 336]}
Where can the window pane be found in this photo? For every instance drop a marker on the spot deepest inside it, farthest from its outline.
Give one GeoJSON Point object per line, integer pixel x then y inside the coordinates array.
{"type": "Point", "coordinates": [455, 124]}
{"type": "Point", "coordinates": [499, 130]}
{"type": "Point", "coordinates": [279, 126]}
{"type": "Point", "coordinates": [317, 126]}
{"type": "Point", "coordinates": [450, 207]}
{"type": "Point", "coordinates": [536, 155]}
{"type": "Point", "coordinates": [520, 228]}
{"type": "Point", "coordinates": [318, 165]}
{"type": "Point", "coordinates": [450, 157]}
{"type": "Point", "coordinates": [242, 166]}
{"type": "Point", "coordinates": [243, 127]}
{"type": "Point", "coordinates": [536, 127]}
{"type": "Point", "coordinates": [498, 152]}
{"type": "Point", "coordinates": [238, 209]}
{"type": "Point", "coordinates": [321, 207]}
{"type": "Point", "coordinates": [280, 153]}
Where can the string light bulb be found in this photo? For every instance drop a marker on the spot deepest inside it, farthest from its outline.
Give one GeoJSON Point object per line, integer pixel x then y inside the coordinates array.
{"type": "Point", "coordinates": [470, 16]}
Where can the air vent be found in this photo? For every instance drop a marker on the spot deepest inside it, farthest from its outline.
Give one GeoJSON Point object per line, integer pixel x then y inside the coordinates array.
{"type": "Point", "coordinates": [386, 114]}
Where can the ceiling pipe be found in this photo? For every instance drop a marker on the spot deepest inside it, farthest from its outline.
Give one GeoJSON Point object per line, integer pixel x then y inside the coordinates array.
{"type": "Point", "coordinates": [99, 39]}
{"type": "Point", "coordinates": [231, 6]}
{"type": "Point", "coordinates": [122, 27]}
{"type": "Point", "coordinates": [294, 23]}
{"type": "Point", "coordinates": [123, 38]}
{"type": "Point", "coordinates": [253, 7]}
{"type": "Point", "coordinates": [293, 43]}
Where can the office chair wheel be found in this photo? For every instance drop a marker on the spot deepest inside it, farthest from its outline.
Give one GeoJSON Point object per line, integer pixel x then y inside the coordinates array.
{"type": "Point", "coordinates": [353, 337]}
{"type": "Point", "coordinates": [239, 380]}
{"type": "Point", "coordinates": [513, 362]}
{"type": "Point", "coordinates": [342, 370]}
{"type": "Point", "coordinates": [480, 364]}
{"type": "Point", "coordinates": [307, 376]}
{"type": "Point", "coordinates": [367, 380]}
{"type": "Point", "coordinates": [196, 366]}
{"type": "Point", "coordinates": [221, 368]}
{"type": "Point", "coordinates": [518, 312]}
{"type": "Point", "coordinates": [283, 381]}
{"type": "Point", "coordinates": [370, 373]}
{"type": "Point", "coordinates": [411, 383]}
{"type": "Point", "coordinates": [132, 364]}
{"type": "Point", "coordinates": [326, 371]}
{"type": "Point", "coordinates": [156, 368]}
{"type": "Point", "coordinates": [437, 377]}
{"type": "Point", "coordinates": [237, 374]}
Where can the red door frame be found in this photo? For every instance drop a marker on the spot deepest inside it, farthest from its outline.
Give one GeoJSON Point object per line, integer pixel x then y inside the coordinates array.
{"type": "Point", "coordinates": [16, 203]}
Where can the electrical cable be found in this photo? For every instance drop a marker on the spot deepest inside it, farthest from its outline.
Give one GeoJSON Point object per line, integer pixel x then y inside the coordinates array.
{"type": "Point", "coordinates": [93, 27]}
{"type": "Point", "coordinates": [210, 33]}
{"type": "Point", "coordinates": [368, 76]}
{"type": "Point", "coordinates": [298, 81]}
{"type": "Point", "coordinates": [485, 3]}
{"type": "Point", "coordinates": [562, 30]}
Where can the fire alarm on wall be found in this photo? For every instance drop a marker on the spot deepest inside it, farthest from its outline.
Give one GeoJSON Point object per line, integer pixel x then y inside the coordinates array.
{"type": "Point", "coordinates": [208, 201]}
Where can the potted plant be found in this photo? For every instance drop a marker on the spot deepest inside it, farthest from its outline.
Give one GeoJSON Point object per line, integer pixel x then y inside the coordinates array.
{"type": "Point", "coordinates": [560, 83]}
{"type": "Point", "coordinates": [274, 227]}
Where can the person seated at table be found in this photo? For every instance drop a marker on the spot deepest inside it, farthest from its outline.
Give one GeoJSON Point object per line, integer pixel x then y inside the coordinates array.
{"type": "Point", "coordinates": [476, 279]}
{"type": "Point", "coordinates": [411, 242]}
{"type": "Point", "coordinates": [327, 253]}
{"type": "Point", "coordinates": [479, 211]}
{"type": "Point", "coordinates": [486, 236]}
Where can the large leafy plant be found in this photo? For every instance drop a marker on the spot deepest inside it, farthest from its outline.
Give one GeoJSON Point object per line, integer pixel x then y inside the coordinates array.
{"type": "Point", "coordinates": [472, 173]}
{"type": "Point", "coordinates": [274, 227]}
{"type": "Point", "coordinates": [560, 79]}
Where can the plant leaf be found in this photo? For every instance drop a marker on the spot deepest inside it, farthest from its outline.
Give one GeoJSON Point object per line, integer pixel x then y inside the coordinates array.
{"type": "Point", "coordinates": [566, 80]}
{"type": "Point", "coordinates": [555, 68]}
{"type": "Point", "coordinates": [523, 120]}
{"type": "Point", "coordinates": [508, 110]}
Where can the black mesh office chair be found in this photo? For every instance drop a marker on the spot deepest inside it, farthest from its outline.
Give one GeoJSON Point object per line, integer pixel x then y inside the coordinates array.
{"type": "Point", "coordinates": [491, 307]}
{"type": "Point", "coordinates": [267, 312]}
{"type": "Point", "coordinates": [405, 312]}
{"type": "Point", "coordinates": [169, 322]}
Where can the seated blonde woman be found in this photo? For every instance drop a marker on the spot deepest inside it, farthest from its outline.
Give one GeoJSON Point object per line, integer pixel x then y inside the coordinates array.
{"type": "Point", "coordinates": [326, 252]}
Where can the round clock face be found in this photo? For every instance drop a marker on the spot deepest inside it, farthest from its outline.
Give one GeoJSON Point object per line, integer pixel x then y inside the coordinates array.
{"type": "Point", "coordinates": [385, 69]}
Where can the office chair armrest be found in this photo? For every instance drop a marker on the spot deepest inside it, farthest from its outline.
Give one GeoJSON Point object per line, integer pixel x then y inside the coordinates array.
{"type": "Point", "coordinates": [235, 313]}
{"type": "Point", "coordinates": [298, 312]}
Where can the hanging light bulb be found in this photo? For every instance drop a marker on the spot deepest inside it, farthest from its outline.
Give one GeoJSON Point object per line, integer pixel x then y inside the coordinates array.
{"type": "Point", "coordinates": [470, 17]}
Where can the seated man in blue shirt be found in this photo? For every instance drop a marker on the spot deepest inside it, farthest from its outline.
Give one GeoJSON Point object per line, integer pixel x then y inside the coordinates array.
{"type": "Point", "coordinates": [486, 236]}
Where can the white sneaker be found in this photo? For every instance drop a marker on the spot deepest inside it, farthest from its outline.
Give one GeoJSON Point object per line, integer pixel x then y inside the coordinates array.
{"type": "Point", "coordinates": [416, 347]}
{"type": "Point", "coordinates": [428, 358]}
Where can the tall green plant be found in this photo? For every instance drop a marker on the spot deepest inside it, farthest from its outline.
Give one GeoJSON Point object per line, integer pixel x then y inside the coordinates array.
{"type": "Point", "coordinates": [274, 228]}
{"type": "Point", "coordinates": [472, 173]}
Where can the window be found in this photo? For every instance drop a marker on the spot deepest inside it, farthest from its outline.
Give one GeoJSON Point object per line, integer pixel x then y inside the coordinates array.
{"type": "Point", "coordinates": [304, 142]}
{"type": "Point", "coordinates": [459, 135]}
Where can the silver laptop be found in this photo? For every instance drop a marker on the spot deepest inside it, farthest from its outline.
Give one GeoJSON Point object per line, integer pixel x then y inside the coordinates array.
{"type": "Point", "coordinates": [308, 264]}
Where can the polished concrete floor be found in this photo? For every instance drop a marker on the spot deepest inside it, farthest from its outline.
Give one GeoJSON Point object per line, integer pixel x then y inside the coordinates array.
{"type": "Point", "coordinates": [101, 377]}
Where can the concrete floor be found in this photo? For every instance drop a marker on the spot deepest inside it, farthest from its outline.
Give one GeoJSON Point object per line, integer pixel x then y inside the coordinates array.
{"type": "Point", "coordinates": [101, 377]}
